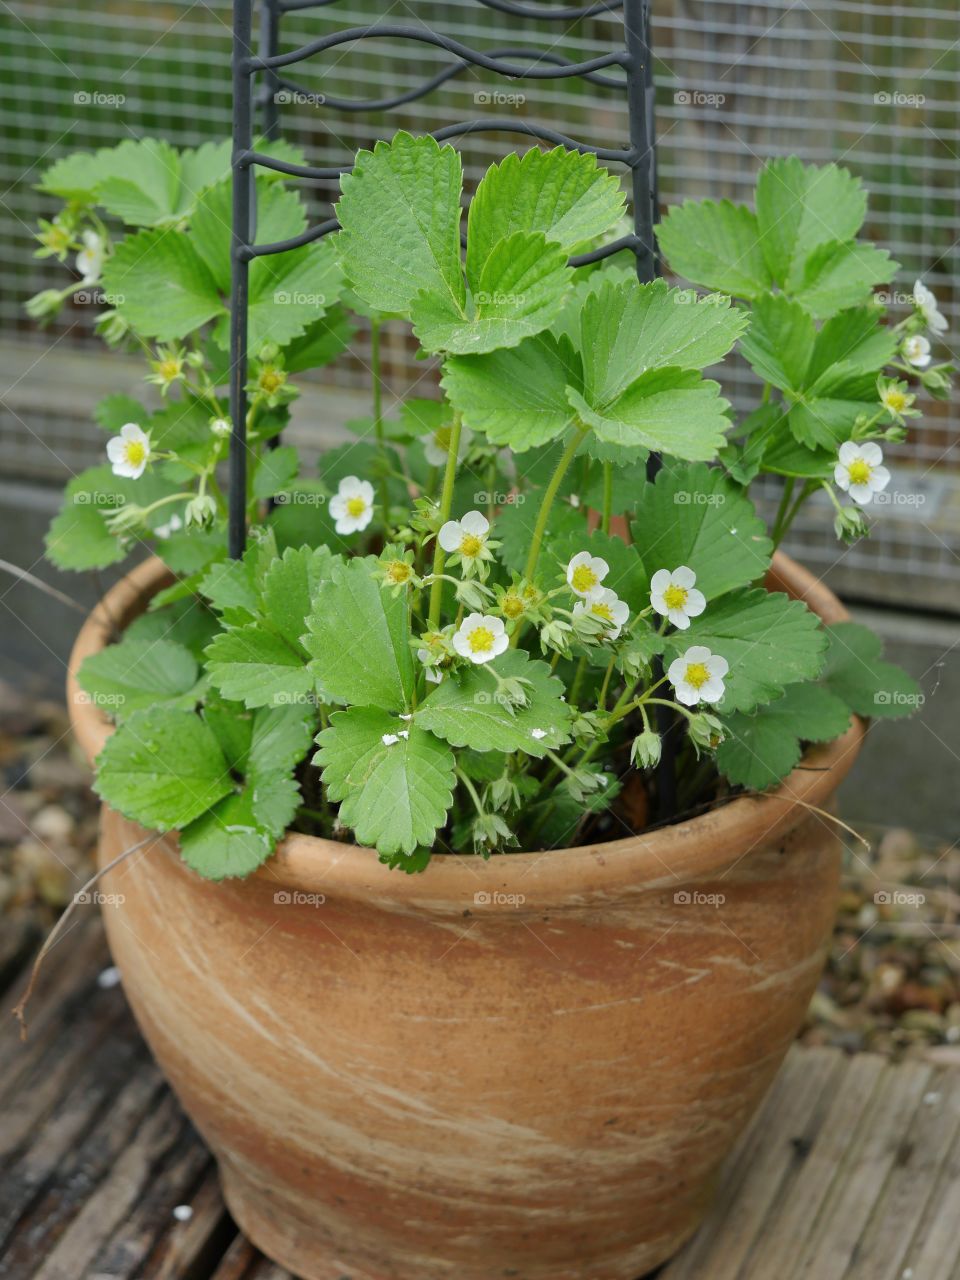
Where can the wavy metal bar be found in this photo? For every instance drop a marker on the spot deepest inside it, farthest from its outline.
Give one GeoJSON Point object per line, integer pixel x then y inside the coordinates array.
{"type": "Point", "coordinates": [473, 56]}
{"type": "Point", "coordinates": [295, 242]}
{"type": "Point", "coordinates": [293, 170]}
{"type": "Point", "coordinates": [441, 77]}
{"type": "Point", "coordinates": [549, 15]}
{"type": "Point", "coordinates": [631, 242]}
{"type": "Point", "coordinates": [615, 155]}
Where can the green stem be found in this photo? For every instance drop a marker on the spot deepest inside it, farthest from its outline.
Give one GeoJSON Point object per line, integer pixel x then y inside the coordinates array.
{"type": "Point", "coordinates": [376, 370]}
{"type": "Point", "coordinates": [604, 688]}
{"type": "Point", "coordinates": [788, 487]}
{"type": "Point", "coordinates": [471, 790]}
{"type": "Point", "coordinates": [792, 514]}
{"type": "Point", "coordinates": [549, 494]}
{"type": "Point", "coordinates": [607, 496]}
{"type": "Point", "coordinates": [446, 502]}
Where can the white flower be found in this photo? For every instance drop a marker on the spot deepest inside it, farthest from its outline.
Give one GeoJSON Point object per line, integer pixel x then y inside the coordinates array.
{"type": "Point", "coordinates": [925, 300]}
{"type": "Point", "coordinates": [220, 426]}
{"type": "Point", "coordinates": [467, 537]}
{"type": "Point", "coordinates": [129, 452]}
{"type": "Point", "coordinates": [585, 573]}
{"type": "Point", "coordinates": [388, 739]}
{"type": "Point", "coordinates": [859, 471]}
{"type": "Point", "coordinates": [674, 595]}
{"type": "Point", "coordinates": [480, 638]}
{"type": "Point", "coordinates": [698, 676]}
{"type": "Point", "coordinates": [173, 525]}
{"type": "Point", "coordinates": [436, 445]}
{"type": "Point", "coordinates": [352, 505]}
{"type": "Point", "coordinates": [916, 351]}
{"type": "Point", "coordinates": [606, 605]}
{"type": "Point", "coordinates": [90, 257]}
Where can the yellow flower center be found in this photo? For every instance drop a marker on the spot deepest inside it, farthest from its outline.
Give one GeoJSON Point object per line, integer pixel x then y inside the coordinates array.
{"type": "Point", "coordinates": [356, 507]}
{"type": "Point", "coordinates": [169, 369]}
{"type": "Point", "coordinates": [398, 571]}
{"type": "Point", "coordinates": [895, 399]}
{"type": "Point", "coordinates": [602, 610]}
{"type": "Point", "coordinates": [481, 640]}
{"type": "Point", "coordinates": [859, 471]}
{"type": "Point", "coordinates": [583, 578]}
{"type": "Point", "coordinates": [272, 380]}
{"type": "Point", "coordinates": [470, 545]}
{"type": "Point", "coordinates": [511, 606]}
{"type": "Point", "coordinates": [136, 452]}
{"type": "Point", "coordinates": [675, 597]}
{"type": "Point", "coordinates": [697, 674]}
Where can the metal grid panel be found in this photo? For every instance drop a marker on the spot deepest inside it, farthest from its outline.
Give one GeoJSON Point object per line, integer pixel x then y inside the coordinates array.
{"type": "Point", "coordinates": [871, 84]}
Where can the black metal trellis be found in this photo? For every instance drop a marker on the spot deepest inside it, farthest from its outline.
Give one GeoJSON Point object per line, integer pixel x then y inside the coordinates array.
{"type": "Point", "coordinates": [639, 156]}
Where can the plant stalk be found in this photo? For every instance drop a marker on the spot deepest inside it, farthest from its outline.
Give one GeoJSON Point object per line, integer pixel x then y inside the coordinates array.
{"type": "Point", "coordinates": [446, 502]}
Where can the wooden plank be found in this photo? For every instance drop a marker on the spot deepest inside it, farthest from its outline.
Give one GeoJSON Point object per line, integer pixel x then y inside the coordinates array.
{"type": "Point", "coordinates": [923, 1151]}
{"type": "Point", "coordinates": [788, 1232]}
{"type": "Point", "coordinates": [190, 1250]}
{"type": "Point", "coordinates": [764, 1156]}
{"type": "Point", "coordinates": [864, 1172]}
{"type": "Point", "coordinates": [934, 1252]}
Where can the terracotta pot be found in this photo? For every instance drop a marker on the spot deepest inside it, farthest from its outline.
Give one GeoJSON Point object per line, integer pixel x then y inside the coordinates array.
{"type": "Point", "coordinates": [530, 1067]}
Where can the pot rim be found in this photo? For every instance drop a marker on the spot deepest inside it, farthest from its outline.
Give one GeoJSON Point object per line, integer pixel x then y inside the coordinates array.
{"type": "Point", "coordinates": [710, 844]}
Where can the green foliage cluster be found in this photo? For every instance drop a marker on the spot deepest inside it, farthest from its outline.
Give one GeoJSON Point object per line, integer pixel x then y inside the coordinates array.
{"type": "Point", "coordinates": [463, 630]}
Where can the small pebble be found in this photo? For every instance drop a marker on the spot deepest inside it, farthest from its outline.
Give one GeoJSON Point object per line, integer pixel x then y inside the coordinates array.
{"type": "Point", "coordinates": [931, 1099]}
{"type": "Point", "coordinates": [109, 978]}
{"type": "Point", "coordinates": [183, 1213]}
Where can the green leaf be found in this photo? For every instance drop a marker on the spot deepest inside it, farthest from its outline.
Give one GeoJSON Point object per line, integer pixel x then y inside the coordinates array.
{"type": "Point", "coordinates": [230, 588]}
{"type": "Point", "coordinates": [673, 411]}
{"type": "Point", "coordinates": [629, 328]}
{"type": "Point", "coordinates": [78, 537]}
{"type": "Point", "coordinates": [519, 293]}
{"type": "Point", "coordinates": [858, 339]}
{"type": "Point", "coordinates": [781, 342]}
{"type": "Point", "coordinates": [395, 794]}
{"type": "Point", "coordinates": [240, 832]}
{"type": "Point", "coordinates": [144, 187]}
{"type": "Point", "coordinates": [321, 342]}
{"type": "Point", "coordinates": [290, 587]}
{"type": "Point", "coordinates": [280, 216]}
{"type": "Point", "coordinates": [716, 245]}
{"type": "Point", "coordinates": [468, 710]}
{"type": "Point", "coordinates": [280, 739]}
{"type": "Point", "coordinates": [785, 456]}
{"type": "Point", "coordinates": [115, 411]}
{"type": "Point", "coordinates": [517, 396]}
{"type": "Point", "coordinates": [289, 292]}
{"type": "Point", "coordinates": [514, 527]}
{"type": "Point", "coordinates": [697, 517]}
{"type": "Point", "coordinates": [762, 748]}
{"type": "Point", "coordinates": [160, 284]}
{"type": "Point", "coordinates": [162, 768]}
{"type": "Point", "coordinates": [856, 673]}
{"type": "Point", "coordinates": [253, 666]}
{"type": "Point", "coordinates": [189, 623]}
{"type": "Point", "coordinates": [836, 276]}
{"type": "Point", "coordinates": [275, 471]}
{"type": "Point", "coordinates": [358, 639]}
{"type": "Point", "coordinates": [769, 641]}
{"type": "Point", "coordinates": [125, 677]}
{"type": "Point", "coordinates": [827, 411]}
{"type": "Point", "coordinates": [560, 193]}
{"type": "Point", "coordinates": [400, 216]}
{"type": "Point", "coordinates": [801, 207]}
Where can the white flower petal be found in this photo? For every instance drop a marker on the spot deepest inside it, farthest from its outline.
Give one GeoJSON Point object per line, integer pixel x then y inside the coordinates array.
{"type": "Point", "coordinates": [848, 451]}
{"type": "Point", "coordinates": [660, 581]}
{"type": "Point", "coordinates": [474, 522]}
{"type": "Point", "coordinates": [712, 691]}
{"type": "Point", "coordinates": [450, 535]}
{"type": "Point", "coordinates": [880, 479]}
{"type": "Point", "coordinates": [678, 618]}
{"type": "Point", "coordinates": [696, 603]}
{"type": "Point", "coordinates": [861, 493]}
{"type": "Point", "coordinates": [684, 576]}
{"type": "Point", "coordinates": [871, 452]}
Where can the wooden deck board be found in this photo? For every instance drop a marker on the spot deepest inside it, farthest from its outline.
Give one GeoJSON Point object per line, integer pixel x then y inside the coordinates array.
{"type": "Point", "coordinates": [849, 1171]}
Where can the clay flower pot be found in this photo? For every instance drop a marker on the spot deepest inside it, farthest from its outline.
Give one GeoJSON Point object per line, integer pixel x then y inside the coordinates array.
{"type": "Point", "coordinates": [530, 1067]}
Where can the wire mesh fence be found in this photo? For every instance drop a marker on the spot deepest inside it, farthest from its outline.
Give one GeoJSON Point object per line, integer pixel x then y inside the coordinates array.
{"type": "Point", "coordinates": [869, 84]}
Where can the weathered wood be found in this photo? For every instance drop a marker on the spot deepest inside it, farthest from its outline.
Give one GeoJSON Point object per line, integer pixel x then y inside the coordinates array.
{"type": "Point", "coordinates": [849, 1171]}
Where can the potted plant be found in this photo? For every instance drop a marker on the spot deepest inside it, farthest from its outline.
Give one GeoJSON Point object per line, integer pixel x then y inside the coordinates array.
{"type": "Point", "coordinates": [455, 651]}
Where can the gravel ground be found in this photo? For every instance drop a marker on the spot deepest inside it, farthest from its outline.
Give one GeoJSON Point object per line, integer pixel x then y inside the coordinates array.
{"type": "Point", "coordinates": [892, 983]}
